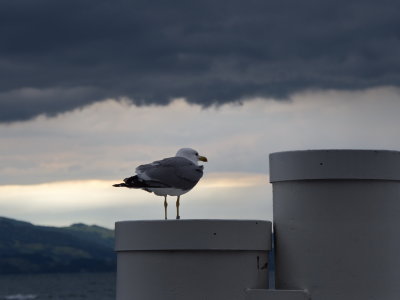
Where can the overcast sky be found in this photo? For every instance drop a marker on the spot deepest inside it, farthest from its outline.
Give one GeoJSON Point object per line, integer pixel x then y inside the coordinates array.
{"type": "Point", "coordinates": [91, 89]}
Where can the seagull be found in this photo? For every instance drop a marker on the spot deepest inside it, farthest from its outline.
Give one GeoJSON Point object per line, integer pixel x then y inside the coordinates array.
{"type": "Point", "coordinates": [173, 176]}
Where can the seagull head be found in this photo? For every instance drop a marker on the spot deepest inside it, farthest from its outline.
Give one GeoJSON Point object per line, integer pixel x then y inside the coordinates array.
{"type": "Point", "coordinates": [191, 155]}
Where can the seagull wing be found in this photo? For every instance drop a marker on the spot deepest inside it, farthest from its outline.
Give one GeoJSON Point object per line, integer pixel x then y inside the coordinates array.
{"type": "Point", "coordinates": [175, 172]}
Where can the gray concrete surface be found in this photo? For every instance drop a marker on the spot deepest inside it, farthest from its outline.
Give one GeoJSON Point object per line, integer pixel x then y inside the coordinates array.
{"type": "Point", "coordinates": [191, 259]}
{"type": "Point", "coordinates": [337, 223]}
{"type": "Point", "coordinates": [276, 295]}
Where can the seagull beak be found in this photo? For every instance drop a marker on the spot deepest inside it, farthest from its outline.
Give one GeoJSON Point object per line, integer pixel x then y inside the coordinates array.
{"type": "Point", "coordinates": [203, 158]}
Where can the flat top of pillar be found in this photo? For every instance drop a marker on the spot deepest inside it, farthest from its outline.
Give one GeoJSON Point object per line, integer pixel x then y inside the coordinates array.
{"type": "Point", "coordinates": [193, 235]}
{"type": "Point", "coordinates": [335, 164]}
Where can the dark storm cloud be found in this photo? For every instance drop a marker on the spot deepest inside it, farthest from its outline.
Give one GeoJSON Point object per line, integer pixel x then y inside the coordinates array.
{"type": "Point", "coordinates": [59, 55]}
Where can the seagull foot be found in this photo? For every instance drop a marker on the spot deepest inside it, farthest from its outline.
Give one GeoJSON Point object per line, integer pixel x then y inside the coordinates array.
{"type": "Point", "coordinates": [178, 217]}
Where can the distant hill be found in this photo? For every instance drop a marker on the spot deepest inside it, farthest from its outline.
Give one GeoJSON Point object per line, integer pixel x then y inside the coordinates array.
{"type": "Point", "coordinates": [26, 248]}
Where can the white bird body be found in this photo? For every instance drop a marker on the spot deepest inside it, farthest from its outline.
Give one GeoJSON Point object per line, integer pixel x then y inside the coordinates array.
{"type": "Point", "coordinates": [167, 191]}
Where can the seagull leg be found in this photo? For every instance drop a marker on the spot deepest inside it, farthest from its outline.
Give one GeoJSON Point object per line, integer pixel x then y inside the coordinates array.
{"type": "Point", "coordinates": [177, 208]}
{"type": "Point", "coordinates": [165, 206]}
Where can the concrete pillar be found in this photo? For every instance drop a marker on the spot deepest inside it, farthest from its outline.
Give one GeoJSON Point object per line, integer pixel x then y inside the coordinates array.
{"type": "Point", "coordinates": [191, 259]}
{"type": "Point", "coordinates": [337, 223]}
{"type": "Point", "coordinates": [276, 295]}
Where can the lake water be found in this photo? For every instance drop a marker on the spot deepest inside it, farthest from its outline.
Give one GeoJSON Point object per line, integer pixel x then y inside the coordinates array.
{"type": "Point", "coordinates": [84, 286]}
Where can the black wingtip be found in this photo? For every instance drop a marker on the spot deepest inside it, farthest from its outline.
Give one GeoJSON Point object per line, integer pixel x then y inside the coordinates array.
{"type": "Point", "coordinates": [119, 184]}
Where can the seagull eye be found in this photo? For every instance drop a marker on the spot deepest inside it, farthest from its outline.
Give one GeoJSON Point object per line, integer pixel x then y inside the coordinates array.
{"type": "Point", "coordinates": [197, 154]}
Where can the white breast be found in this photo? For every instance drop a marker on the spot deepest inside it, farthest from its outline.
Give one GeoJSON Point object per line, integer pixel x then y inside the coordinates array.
{"type": "Point", "coordinates": [167, 191]}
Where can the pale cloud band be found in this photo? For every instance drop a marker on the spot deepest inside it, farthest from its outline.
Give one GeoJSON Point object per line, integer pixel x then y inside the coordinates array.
{"type": "Point", "coordinates": [107, 140]}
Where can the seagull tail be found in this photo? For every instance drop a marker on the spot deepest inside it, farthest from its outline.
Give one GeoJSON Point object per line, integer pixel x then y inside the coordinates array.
{"type": "Point", "coordinates": [135, 182]}
{"type": "Point", "coordinates": [131, 182]}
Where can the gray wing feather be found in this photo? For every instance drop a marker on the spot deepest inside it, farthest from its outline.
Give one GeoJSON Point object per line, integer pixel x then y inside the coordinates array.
{"type": "Point", "coordinates": [177, 172]}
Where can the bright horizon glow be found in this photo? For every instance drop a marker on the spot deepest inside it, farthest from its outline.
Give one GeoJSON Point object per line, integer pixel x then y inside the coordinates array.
{"type": "Point", "coordinates": [49, 203]}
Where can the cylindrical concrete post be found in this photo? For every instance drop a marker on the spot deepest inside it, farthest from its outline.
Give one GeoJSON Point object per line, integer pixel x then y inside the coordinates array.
{"type": "Point", "coordinates": [337, 223]}
{"type": "Point", "coordinates": [191, 259]}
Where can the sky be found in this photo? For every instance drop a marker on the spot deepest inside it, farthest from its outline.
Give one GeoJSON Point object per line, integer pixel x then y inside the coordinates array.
{"type": "Point", "coordinates": [91, 89]}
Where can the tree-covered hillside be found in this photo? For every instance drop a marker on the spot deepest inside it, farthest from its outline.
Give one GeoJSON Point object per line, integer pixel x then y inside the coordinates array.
{"type": "Point", "coordinates": [26, 248]}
